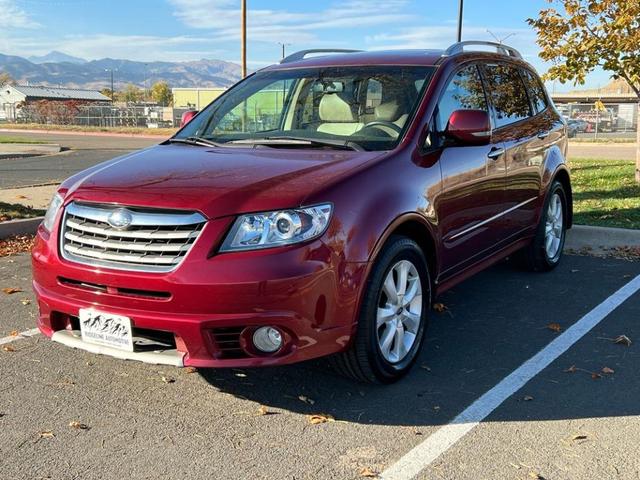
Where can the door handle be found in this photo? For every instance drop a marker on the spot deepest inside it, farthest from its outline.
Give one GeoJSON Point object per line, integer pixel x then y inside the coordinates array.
{"type": "Point", "coordinates": [495, 153]}
{"type": "Point", "coordinates": [543, 135]}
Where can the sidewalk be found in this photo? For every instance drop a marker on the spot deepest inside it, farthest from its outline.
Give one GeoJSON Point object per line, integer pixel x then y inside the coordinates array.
{"type": "Point", "coordinates": [36, 197]}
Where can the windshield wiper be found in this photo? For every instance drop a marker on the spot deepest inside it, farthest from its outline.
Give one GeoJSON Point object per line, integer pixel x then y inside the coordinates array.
{"type": "Point", "coordinates": [290, 140]}
{"type": "Point", "coordinates": [205, 142]}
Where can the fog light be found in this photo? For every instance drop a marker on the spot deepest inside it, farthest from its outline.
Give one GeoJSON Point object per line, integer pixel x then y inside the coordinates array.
{"type": "Point", "coordinates": [267, 339]}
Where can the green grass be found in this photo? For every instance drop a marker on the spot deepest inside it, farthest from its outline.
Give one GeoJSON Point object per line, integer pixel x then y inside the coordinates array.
{"type": "Point", "coordinates": [19, 140]}
{"type": "Point", "coordinates": [605, 193]}
{"type": "Point", "coordinates": [13, 211]}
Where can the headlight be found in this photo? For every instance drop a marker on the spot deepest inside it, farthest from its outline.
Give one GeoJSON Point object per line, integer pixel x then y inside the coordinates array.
{"type": "Point", "coordinates": [273, 229]}
{"type": "Point", "coordinates": [52, 212]}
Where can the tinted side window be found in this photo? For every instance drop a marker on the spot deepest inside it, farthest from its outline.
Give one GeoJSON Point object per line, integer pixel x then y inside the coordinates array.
{"type": "Point", "coordinates": [536, 90]}
{"type": "Point", "coordinates": [464, 92]}
{"type": "Point", "coordinates": [508, 94]}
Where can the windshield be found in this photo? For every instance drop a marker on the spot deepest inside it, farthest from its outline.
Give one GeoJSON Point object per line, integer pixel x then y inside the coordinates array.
{"type": "Point", "coordinates": [369, 107]}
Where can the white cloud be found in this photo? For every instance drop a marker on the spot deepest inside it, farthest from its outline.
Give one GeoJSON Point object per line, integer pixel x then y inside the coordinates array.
{"type": "Point", "coordinates": [272, 25]}
{"type": "Point", "coordinates": [11, 16]}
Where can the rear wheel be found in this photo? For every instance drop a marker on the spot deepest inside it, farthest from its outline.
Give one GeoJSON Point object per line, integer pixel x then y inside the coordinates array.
{"type": "Point", "coordinates": [393, 316]}
{"type": "Point", "coordinates": [545, 251]}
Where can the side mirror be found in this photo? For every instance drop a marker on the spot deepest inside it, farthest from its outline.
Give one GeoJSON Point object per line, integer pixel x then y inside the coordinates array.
{"type": "Point", "coordinates": [469, 127]}
{"type": "Point", "coordinates": [187, 117]}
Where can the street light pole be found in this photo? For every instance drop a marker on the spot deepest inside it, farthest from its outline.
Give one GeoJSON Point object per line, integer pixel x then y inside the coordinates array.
{"type": "Point", "coordinates": [460, 9]}
{"type": "Point", "coordinates": [243, 15]}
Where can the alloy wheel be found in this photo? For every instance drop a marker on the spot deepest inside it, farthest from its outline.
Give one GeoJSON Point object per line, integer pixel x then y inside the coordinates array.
{"type": "Point", "coordinates": [554, 227]}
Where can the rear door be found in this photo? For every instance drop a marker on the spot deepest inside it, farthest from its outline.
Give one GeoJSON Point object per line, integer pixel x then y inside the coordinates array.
{"type": "Point", "coordinates": [523, 134]}
{"type": "Point", "coordinates": [472, 178]}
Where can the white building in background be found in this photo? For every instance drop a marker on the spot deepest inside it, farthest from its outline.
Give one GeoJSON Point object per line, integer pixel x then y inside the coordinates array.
{"type": "Point", "coordinates": [11, 96]}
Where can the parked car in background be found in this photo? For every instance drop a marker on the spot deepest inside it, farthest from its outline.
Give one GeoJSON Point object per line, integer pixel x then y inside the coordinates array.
{"type": "Point", "coordinates": [388, 178]}
{"type": "Point", "coordinates": [572, 128]}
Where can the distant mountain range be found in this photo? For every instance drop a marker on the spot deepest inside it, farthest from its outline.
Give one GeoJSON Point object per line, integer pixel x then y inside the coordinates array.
{"type": "Point", "coordinates": [60, 69]}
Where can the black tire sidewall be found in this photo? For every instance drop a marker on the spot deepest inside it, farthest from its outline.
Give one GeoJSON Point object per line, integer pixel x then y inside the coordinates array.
{"type": "Point", "coordinates": [399, 248]}
{"type": "Point", "coordinates": [556, 187]}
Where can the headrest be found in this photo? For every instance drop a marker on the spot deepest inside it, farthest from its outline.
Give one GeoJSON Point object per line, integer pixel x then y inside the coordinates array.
{"type": "Point", "coordinates": [388, 112]}
{"type": "Point", "coordinates": [334, 109]}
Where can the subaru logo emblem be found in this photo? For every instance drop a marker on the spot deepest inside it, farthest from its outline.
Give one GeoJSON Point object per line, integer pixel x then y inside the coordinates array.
{"type": "Point", "coordinates": [120, 219]}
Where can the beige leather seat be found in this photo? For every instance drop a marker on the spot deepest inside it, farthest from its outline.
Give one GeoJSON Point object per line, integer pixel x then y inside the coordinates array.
{"type": "Point", "coordinates": [390, 112]}
{"type": "Point", "coordinates": [337, 116]}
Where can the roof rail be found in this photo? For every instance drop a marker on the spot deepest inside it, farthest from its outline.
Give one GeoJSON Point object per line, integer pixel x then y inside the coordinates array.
{"type": "Point", "coordinates": [294, 57]}
{"type": "Point", "coordinates": [458, 48]}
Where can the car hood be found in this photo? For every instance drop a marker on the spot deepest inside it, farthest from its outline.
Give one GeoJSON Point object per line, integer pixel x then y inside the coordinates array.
{"type": "Point", "coordinates": [214, 181]}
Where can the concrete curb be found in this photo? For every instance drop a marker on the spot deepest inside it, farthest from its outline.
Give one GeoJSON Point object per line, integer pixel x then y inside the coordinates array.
{"type": "Point", "coordinates": [19, 227]}
{"type": "Point", "coordinates": [85, 134]}
{"type": "Point", "coordinates": [29, 148]}
{"type": "Point", "coordinates": [600, 239]}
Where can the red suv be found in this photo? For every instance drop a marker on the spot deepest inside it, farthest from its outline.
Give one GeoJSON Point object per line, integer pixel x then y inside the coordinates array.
{"type": "Point", "coordinates": [316, 208]}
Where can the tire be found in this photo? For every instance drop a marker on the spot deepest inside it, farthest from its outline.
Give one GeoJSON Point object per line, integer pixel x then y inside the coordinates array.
{"type": "Point", "coordinates": [372, 357]}
{"type": "Point", "coordinates": [538, 256]}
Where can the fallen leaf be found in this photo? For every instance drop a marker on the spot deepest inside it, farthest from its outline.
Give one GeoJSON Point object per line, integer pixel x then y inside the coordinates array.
{"type": "Point", "coordinates": [622, 340]}
{"type": "Point", "coordinates": [11, 290]}
{"type": "Point", "coordinates": [78, 426]}
{"type": "Point", "coordinates": [596, 376]}
{"type": "Point", "coordinates": [439, 307]}
{"type": "Point", "coordinates": [536, 475]}
{"type": "Point", "coordinates": [607, 370]}
{"type": "Point", "coordinates": [167, 379]}
{"type": "Point", "coordinates": [46, 434]}
{"type": "Point", "coordinates": [574, 271]}
{"type": "Point", "coordinates": [425, 367]}
{"type": "Point", "coordinates": [21, 197]}
{"type": "Point", "coordinates": [241, 375]}
{"type": "Point", "coordinates": [8, 348]}
{"type": "Point", "coordinates": [262, 410]}
{"type": "Point", "coordinates": [306, 399]}
{"type": "Point", "coordinates": [527, 398]}
{"type": "Point", "coordinates": [554, 327]}
{"type": "Point", "coordinates": [14, 333]}
{"type": "Point", "coordinates": [25, 301]}
{"type": "Point", "coordinates": [579, 437]}
{"type": "Point", "coordinates": [436, 408]}
{"type": "Point", "coordinates": [190, 370]}
{"type": "Point", "coordinates": [571, 369]}
{"type": "Point", "coordinates": [368, 473]}
{"type": "Point", "coordinates": [318, 418]}
{"type": "Point", "coordinates": [15, 244]}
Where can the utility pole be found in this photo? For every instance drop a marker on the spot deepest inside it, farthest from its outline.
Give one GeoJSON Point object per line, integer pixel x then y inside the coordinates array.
{"type": "Point", "coordinates": [460, 9]}
{"type": "Point", "coordinates": [243, 15]}
{"type": "Point", "coordinates": [112, 92]}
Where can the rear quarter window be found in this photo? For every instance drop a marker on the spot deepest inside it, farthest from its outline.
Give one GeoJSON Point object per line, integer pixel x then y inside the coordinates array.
{"type": "Point", "coordinates": [536, 91]}
{"type": "Point", "coordinates": [507, 92]}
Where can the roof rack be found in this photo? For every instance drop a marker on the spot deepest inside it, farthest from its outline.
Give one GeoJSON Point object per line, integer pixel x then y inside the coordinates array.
{"type": "Point", "coordinates": [458, 48]}
{"type": "Point", "coordinates": [294, 57]}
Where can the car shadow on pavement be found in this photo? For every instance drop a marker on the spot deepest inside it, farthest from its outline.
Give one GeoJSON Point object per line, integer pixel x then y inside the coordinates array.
{"type": "Point", "coordinates": [491, 325]}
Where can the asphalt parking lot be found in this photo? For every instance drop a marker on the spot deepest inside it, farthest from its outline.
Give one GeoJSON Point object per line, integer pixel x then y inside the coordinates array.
{"type": "Point", "coordinates": [570, 421]}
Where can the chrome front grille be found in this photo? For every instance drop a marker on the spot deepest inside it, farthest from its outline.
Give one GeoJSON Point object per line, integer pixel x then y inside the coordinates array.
{"type": "Point", "coordinates": [153, 240]}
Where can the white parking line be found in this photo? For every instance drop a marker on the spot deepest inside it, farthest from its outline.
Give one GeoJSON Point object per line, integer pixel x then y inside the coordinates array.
{"type": "Point", "coordinates": [25, 334]}
{"type": "Point", "coordinates": [444, 438]}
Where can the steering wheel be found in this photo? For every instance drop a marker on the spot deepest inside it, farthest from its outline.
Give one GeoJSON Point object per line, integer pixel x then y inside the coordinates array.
{"type": "Point", "coordinates": [384, 123]}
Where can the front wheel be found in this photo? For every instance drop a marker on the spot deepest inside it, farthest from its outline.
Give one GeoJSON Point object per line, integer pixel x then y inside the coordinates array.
{"type": "Point", "coordinates": [393, 316]}
{"type": "Point", "coordinates": [545, 251]}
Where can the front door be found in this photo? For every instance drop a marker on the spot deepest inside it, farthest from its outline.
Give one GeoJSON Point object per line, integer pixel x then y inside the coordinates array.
{"type": "Point", "coordinates": [473, 179]}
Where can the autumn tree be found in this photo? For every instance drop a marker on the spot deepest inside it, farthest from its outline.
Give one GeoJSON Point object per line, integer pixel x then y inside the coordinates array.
{"type": "Point", "coordinates": [580, 35]}
{"type": "Point", "coordinates": [5, 79]}
{"type": "Point", "coordinates": [131, 93]}
{"type": "Point", "coordinates": [161, 93]}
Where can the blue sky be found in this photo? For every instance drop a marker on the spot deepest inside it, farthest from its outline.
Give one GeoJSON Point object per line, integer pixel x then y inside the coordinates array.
{"type": "Point", "coordinates": [179, 30]}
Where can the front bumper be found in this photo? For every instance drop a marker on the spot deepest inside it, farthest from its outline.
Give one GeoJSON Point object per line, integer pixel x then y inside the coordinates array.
{"type": "Point", "coordinates": [307, 291]}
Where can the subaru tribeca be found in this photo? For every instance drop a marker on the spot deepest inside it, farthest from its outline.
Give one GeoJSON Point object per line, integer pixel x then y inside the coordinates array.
{"type": "Point", "coordinates": [314, 209]}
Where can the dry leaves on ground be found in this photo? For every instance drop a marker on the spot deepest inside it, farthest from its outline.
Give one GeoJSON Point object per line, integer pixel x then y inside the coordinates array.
{"type": "Point", "coordinates": [78, 426]}
{"type": "Point", "coordinates": [8, 348]}
{"type": "Point", "coordinates": [607, 370]}
{"type": "Point", "coordinates": [579, 437]}
{"type": "Point", "coordinates": [318, 418]}
{"type": "Point", "coordinates": [527, 398]}
{"type": "Point", "coordinates": [190, 370]}
{"type": "Point", "coordinates": [306, 399]}
{"type": "Point", "coordinates": [15, 245]}
{"type": "Point", "coordinates": [439, 307]}
{"type": "Point", "coordinates": [554, 327]}
{"type": "Point", "coordinates": [366, 472]}
{"type": "Point", "coordinates": [11, 290]}
{"type": "Point", "coordinates": [167, 379]}
{"type": "Point", "coordinates": [262, 410]}
{"type": "Point", "coordinates": [25, 301]}
{"type": "Point", "coordinates": [622, 340]}
{"type": "Point", "coordinates": [46, 434]}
